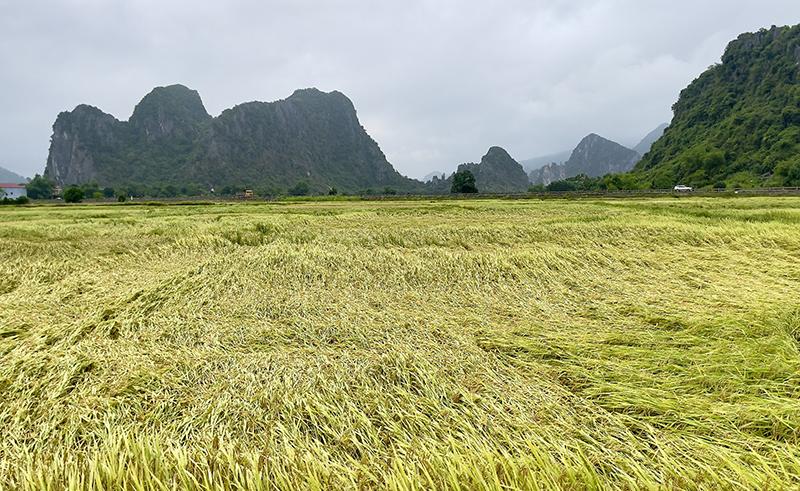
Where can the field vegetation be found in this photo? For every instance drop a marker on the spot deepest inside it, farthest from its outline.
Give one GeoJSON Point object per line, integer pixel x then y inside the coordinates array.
{"type": "Point", "coordinates": [583, 344]}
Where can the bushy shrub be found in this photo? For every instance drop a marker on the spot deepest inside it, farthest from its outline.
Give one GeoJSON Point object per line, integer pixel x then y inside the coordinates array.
{"type": "Point", "coordinates": [73, 194]}
{"type": "Point", "coordinates": [300, 189]}
{"type": "Point", "coordinates": [22, 200]}
{"type": "Point", "coordinates": [40, 187]}
{"type": "Point", "coordinates": [463, 182]}
{"type": "Point", "coordinates": [789, 172]}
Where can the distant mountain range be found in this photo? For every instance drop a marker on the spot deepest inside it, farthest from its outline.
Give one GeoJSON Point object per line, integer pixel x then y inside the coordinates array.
{"type": "Point", "coordinates": [429, 177]}
{"type": "Point", "coordinates": [539, 162]}
{"type": "Point", "coordinates": [170, 139]}
{"type": "Point", "coordinates": [738, 124]}
{"type": "Point", "coordinates": [595, 156]}
{"type": "Point", "coordinates": [9, 177]}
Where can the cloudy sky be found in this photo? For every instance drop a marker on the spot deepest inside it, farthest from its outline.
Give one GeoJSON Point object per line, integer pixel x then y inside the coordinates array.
{"type": "Point", "coordinates": [434, 82]}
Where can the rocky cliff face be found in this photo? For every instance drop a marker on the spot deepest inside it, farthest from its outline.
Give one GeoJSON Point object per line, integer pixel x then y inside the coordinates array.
{"type": "Point", "coordinates": [170, 139]}
{"type": "Point", "coordinates": [79, 136]}
{"type": "Point", "coordinates": [549, 173]}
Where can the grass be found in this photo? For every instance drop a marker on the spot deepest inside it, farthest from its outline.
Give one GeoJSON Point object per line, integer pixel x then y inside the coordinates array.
{"type": "Point", "coordinates": [590, 344]}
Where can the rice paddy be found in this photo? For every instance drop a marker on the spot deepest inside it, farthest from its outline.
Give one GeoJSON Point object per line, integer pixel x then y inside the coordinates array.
{"type": "Point", "coordinates": [584, 344]}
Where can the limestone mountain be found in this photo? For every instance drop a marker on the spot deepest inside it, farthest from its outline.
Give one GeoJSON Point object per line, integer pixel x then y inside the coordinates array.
{"type": "Point", "coordinates": [497, 172]}
{"type": "Point", "coordinates": [549, 173]}
{"type": "Point", "coordinates": [647, 142]}
{"type": "Point", "coordinates": [739, 122]}
{"type": "Point", "coordinates": [172, 115]}
{"type": "Point", "coordinates": [171, 139]}
{"type": "Point", "coordinates": [597, 156]}
{"type": "Point", "coordinates": [594, 156]}
{"type": "Point", "coordinates": [9, 177]}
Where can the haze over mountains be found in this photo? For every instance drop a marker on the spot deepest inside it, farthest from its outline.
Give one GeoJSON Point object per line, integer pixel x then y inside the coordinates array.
{"type": "Point", "coordinates": [535, 163]}
{"type": "Point", "coordinates": [647, 142]}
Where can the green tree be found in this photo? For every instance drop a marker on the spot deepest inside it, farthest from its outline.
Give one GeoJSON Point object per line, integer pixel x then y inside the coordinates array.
{"type": "Point", "coordinates": [300, 189]}
{"type": "Point", "coordinates": [73, 194]}
{"type": "Point", "coordinates": [581, 182]}
{"type": "Point", "coordinates": [40, 187]}
{"type": "Point", "coordinates": [333, 191]}
{"type": "Point", "coordinates": [90, 189]}
{"type": "Point", "coordinates": [171, 191]}
{"type": "Point", "coordinates": [267, 191]}
{"type": "Point", "coordinates": [463, 182]}
{"type": "Point", "coordinates": [108, 192]}
{"type": "Point", "coordinates": [559, 186]}
{"type": "Point", "coordinates": [789, 172]}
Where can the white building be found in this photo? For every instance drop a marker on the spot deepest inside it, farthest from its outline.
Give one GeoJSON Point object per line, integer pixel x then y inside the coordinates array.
{"type": "Point", "coordinates": [12, 191]}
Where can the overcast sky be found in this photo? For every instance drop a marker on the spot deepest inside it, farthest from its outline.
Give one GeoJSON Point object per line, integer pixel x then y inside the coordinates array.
{"type": "Point", "coordinates": [434, 82]}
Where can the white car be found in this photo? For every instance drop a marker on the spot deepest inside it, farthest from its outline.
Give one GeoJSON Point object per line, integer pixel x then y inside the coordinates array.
{"type": "Point", "coordinates": [681, 188]}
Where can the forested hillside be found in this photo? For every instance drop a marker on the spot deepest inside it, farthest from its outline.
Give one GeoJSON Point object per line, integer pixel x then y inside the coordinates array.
{"type": "Point", "coordinates": [738, 124]}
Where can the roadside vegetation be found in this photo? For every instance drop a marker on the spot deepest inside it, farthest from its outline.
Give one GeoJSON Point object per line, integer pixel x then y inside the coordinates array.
{"type": "Point", "coordinates": [584, 344]}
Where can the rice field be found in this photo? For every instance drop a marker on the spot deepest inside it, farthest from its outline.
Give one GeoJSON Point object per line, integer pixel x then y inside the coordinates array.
{"type": "Point", "coordinates": [402, 345]}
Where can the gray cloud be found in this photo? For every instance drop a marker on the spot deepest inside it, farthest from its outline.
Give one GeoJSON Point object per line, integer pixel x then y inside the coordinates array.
{"type": "Point", "coordinates": [435, 82]}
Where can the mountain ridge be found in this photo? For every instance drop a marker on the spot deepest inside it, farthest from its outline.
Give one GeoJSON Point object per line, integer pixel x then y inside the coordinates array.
{"type": "Point", "coordinates": [170, 138]}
